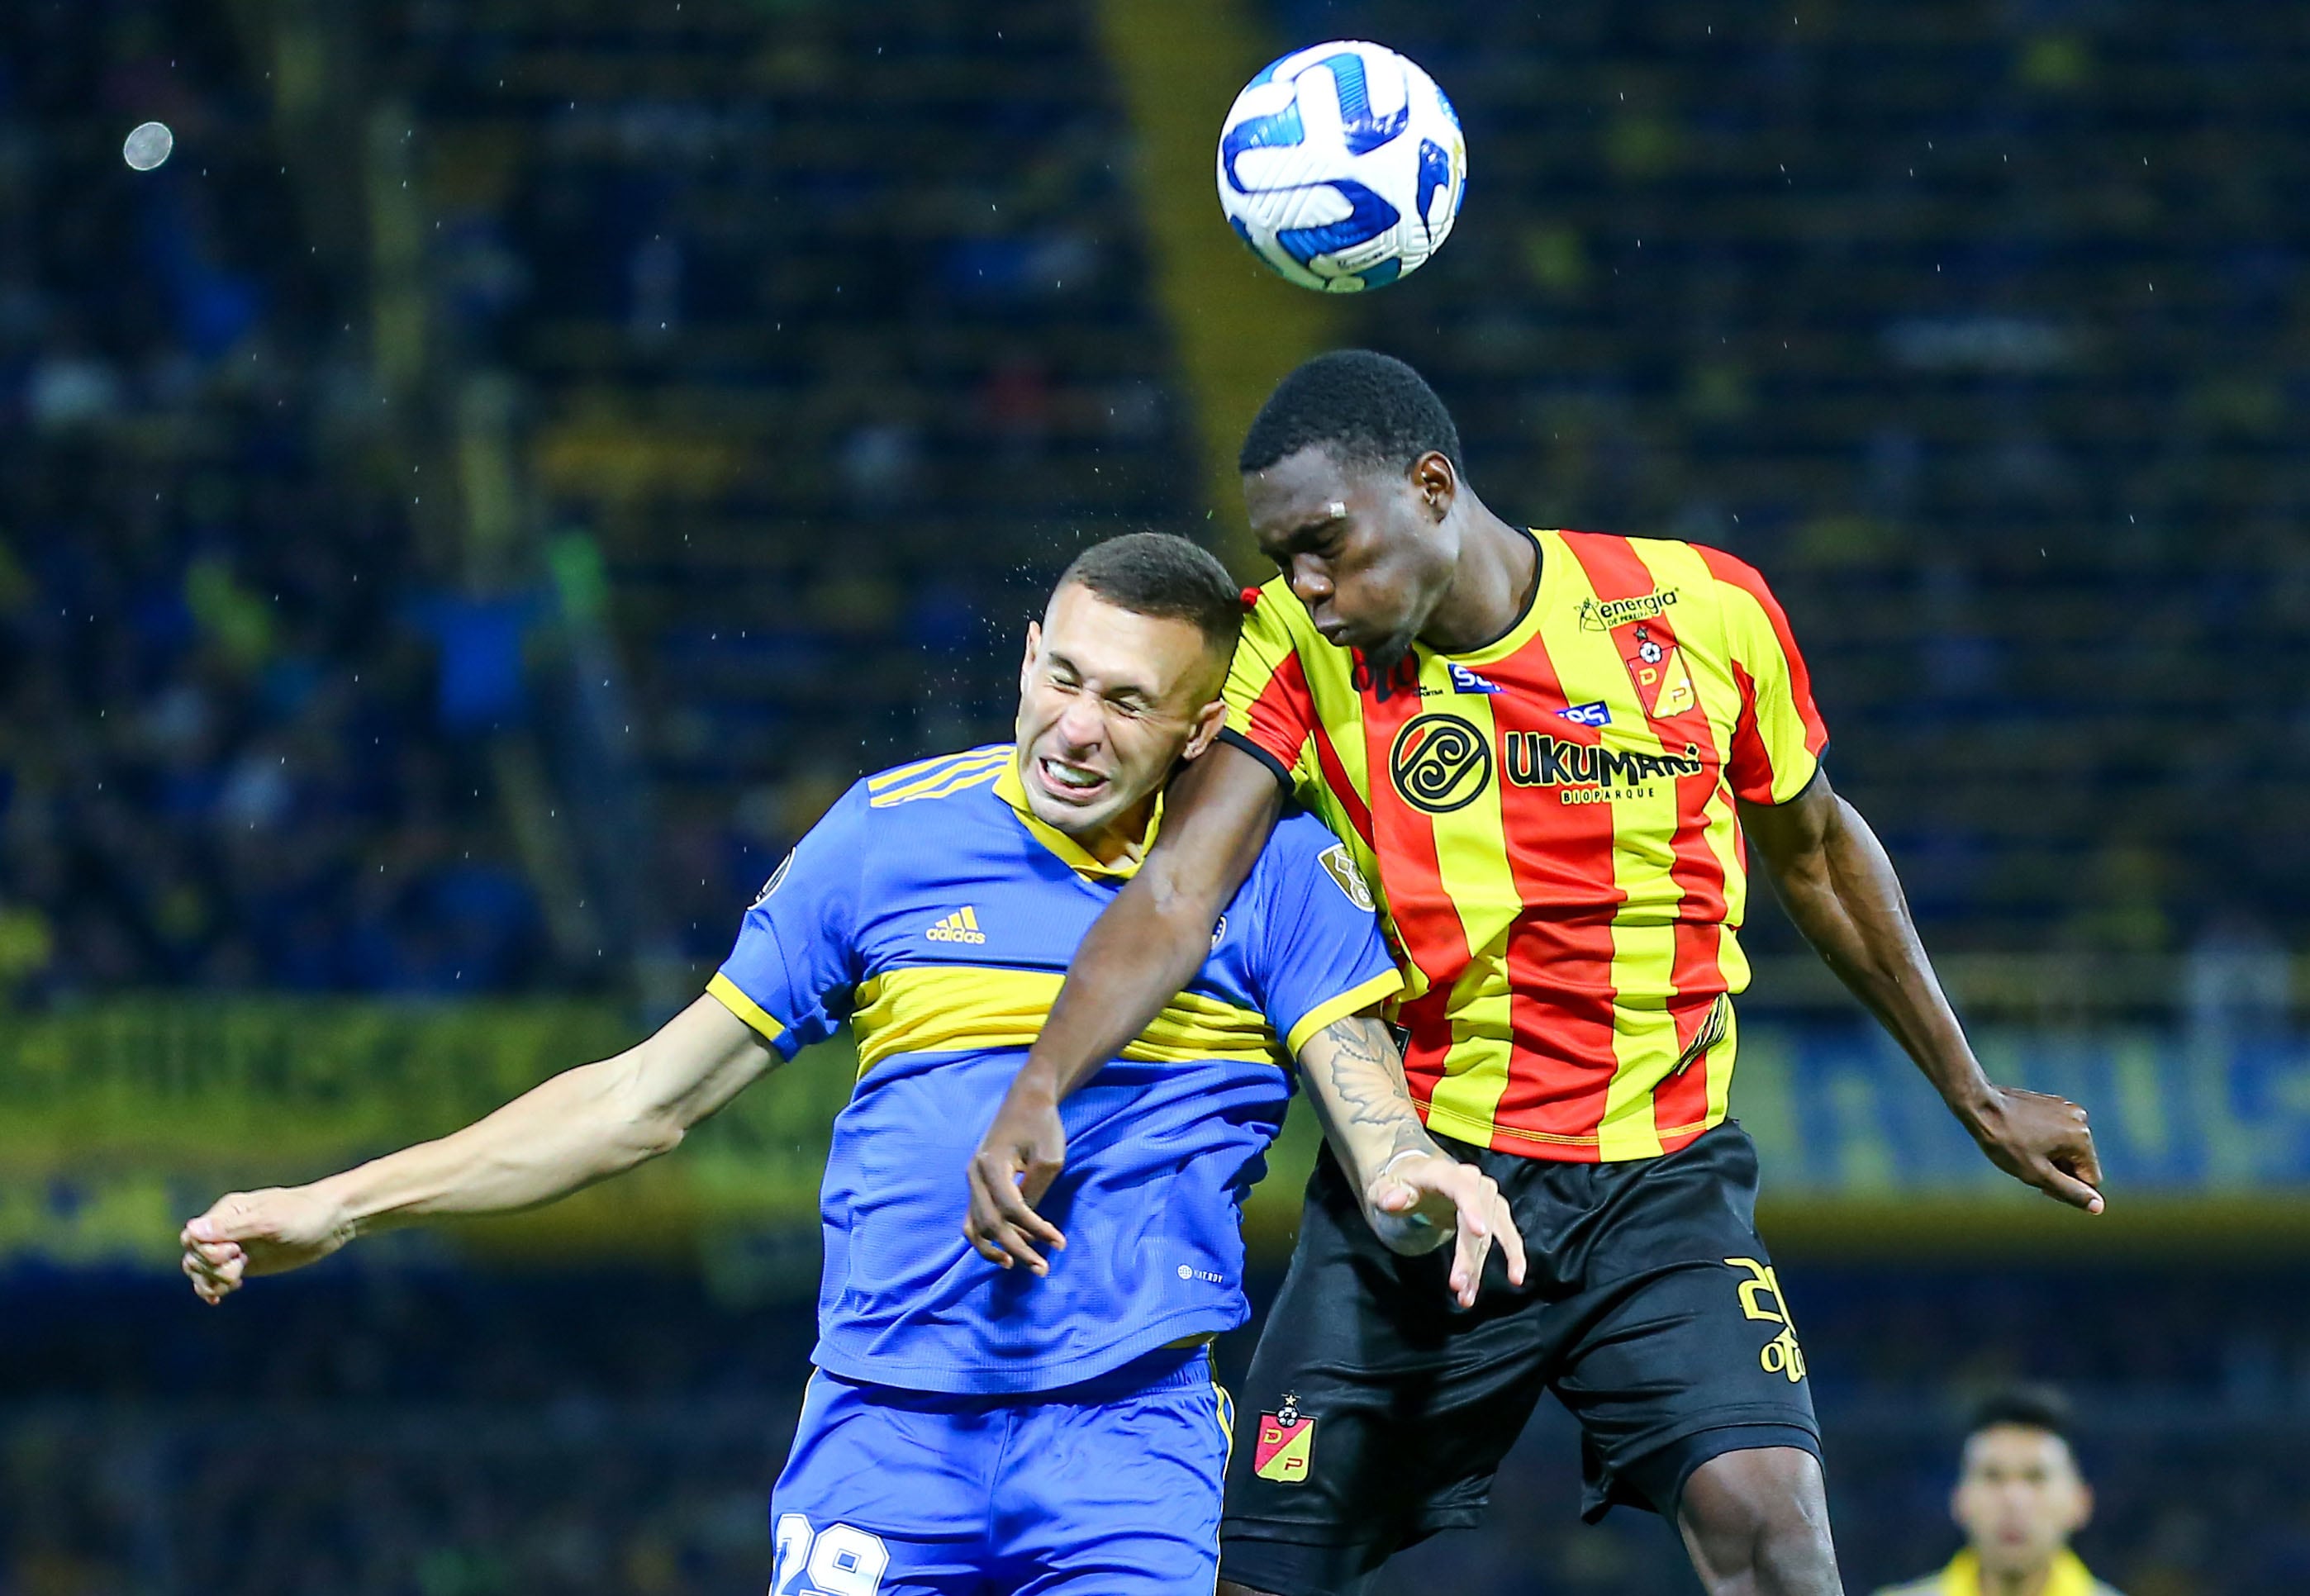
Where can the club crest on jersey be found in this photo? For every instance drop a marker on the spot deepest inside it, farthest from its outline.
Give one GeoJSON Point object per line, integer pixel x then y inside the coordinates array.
{"type": "Point", "coordinates": [1464, 680]}
{"type": "Point", "coordinates": [770, 886]}
{"type": "Point", "coordinates": [1346, 876]}
{"type": "Point", "coordinates": [1439, 763]}
{"type": "Point", "coordinates": [1287, 1439]}
{"type": "Point", "coordinates": [1663, 685]}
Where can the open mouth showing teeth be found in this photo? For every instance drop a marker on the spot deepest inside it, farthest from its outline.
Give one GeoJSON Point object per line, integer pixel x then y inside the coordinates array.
{"type": "Point", "coordinates": [1069, 778]}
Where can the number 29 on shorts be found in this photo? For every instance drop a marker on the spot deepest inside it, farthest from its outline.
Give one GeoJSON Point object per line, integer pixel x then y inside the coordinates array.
{"type": "Point", "coordinates": [840, 1560]}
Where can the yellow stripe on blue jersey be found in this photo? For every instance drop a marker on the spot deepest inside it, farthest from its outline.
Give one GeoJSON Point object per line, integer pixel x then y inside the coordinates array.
{"type": "Point", "coordinates": [936, 914]}
{"type": "Point", "coordinates": [1355, 1000]}
{"type": "Point", "coordinates": [903, 775]}
{"type": "Point", "coordinates": [745, 1007]}
{"type": "Point", "coordinates": [946, 1009]}
{"type": "Point", "coordinates": [943, 777]}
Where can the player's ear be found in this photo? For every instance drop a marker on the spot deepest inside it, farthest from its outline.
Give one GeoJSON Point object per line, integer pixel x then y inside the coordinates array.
{"type": "Point", "coordinates": [1436, 483]}
{"type": "Point", "coordinates": [1027, 660]}
{"type": "Point", "coordinates": [1204, 730]}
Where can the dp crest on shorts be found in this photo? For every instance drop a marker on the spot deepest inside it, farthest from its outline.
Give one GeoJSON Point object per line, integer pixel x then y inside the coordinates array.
{"type": "Point", "coordinates": [1286, 1439]}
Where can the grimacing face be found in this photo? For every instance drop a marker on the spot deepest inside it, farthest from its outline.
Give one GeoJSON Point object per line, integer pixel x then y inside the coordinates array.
{"type": "Point", "coordinates": [1366, 549]}
{"type": "Point", "coordinates": [2019, 1497]}
{"type": "Point", "coordinates": [1109, 700]}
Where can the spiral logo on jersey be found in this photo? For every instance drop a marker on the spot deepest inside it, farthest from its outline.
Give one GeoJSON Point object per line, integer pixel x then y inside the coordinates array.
{"type": "Point", "coordinates": [1439, 763]}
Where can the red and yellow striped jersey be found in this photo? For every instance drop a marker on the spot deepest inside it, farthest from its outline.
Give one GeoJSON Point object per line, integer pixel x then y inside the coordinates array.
{"type": "Point", "coordinates": [1549, 824]}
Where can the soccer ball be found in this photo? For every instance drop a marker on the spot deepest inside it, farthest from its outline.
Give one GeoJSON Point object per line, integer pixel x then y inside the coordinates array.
{"type": "Point", "coordinates": [1341, 166]}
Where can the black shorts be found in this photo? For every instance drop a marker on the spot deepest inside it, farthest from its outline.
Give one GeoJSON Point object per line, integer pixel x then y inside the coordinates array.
{"type": "Point", "coordinates": [1651, 1310]}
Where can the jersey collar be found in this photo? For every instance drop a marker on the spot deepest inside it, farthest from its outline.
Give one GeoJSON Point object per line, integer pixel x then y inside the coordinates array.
{"type": "Point", "coordinates": [1547, 549]}
{"type": "Point", "coordinates": [1010, 789]}
{"type": "Point", "coordinates": [2066, 1577]}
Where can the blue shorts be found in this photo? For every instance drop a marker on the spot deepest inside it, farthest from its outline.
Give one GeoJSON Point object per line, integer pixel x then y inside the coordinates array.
{"type": "Point", "coordinates": [1110, 1488]}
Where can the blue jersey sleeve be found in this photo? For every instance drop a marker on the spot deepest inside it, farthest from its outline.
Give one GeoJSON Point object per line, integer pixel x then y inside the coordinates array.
{"type": "Point", "coordinates": [1321, 956]}
{"type": "Point", "coordinates": [796, 964]}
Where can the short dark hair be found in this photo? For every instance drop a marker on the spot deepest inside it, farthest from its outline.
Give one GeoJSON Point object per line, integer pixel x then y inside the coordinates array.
{"type": "Point", "coordinates": [2030, 1406]}
{"type": "Point", "coordinates": [1162, 574]}
{"type": "Point", "coordinates": [1369, 409]}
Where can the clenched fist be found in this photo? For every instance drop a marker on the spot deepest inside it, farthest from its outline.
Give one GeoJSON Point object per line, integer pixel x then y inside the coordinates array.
{"type": "Point", "coordinates": [259, 1233]}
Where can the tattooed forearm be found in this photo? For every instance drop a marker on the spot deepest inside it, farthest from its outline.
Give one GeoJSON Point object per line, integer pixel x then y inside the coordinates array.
{"type": "Point", "coordinates": [1365, 1074]}
{"type": "Point", "coordinates": [1356, 1078]}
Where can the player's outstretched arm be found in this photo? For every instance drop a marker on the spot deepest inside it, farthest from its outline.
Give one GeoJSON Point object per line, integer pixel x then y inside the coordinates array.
{"type": "Point", "coordinates": [1416, 1196]}
{"type": "Point", "coordinates": [581, 1126]}
{"type": "Point", "coordinates": [1146, 945]}
{"type": "Point", "coordinates": [1838, 884]}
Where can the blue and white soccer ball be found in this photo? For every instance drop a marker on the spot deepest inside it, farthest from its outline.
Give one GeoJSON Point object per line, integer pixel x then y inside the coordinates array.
{"type": "Point", "coordinates": [1341, 165]}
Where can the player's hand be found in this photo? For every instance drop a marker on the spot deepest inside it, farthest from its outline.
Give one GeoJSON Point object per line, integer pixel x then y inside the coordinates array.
{"type": "Point", "coordinates": [259, 1233]}
{"type": "Point", "coordinates": [1021, 1155]}
{"type": "Point", "coordinates": [2044, 1141]}
{"type": "Point", "coordinates": [1418, 1202]}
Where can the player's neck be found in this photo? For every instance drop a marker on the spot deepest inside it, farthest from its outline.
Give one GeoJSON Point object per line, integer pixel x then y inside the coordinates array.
{"type": "Point", "coordinates": [1493, 585]}
{"type": "Point", "coordinates": [2016, 1581]}
{"type": "Point", "coordinates": [1123, 839]}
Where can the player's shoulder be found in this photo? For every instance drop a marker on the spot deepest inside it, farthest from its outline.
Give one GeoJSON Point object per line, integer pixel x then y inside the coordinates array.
{"type": "Point", "coordinates": [920, 788]}
{"type": "Point", "coordinates": [1303, 845]}
{"type": "Point", "coordinates": [1274, 617]}
{"type": "Point", "coordinates": [1277, 631]}
{"type": "Point", "coordinates": [1299, 837]}
{"type": "Point", "coordinates": [885, 814]}
{"type": "Point", "coordinates": [1675, 561]}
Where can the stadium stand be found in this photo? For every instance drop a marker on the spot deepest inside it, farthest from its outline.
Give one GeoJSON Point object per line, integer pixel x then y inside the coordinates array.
{"type": "Point", "coordinates": [834, 389]}
{"type": "Point", "coordinates": [835, 334]}
{"type": "Point", "coordinates": [1977, 328]}
{"type": "Point", "coordinates": [224, 758]}
{"type": "Point", "coordinates": [832, 385]}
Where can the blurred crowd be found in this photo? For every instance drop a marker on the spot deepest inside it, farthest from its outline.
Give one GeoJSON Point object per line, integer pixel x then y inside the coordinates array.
{"type": "Point", "coordinates": [1981, 330]}
{"type": "Point", "coordinates": [829, 326]}
{"type": "Point", "coordinates": [389, 1432]}
{"type": "Point", "coordinates": [223, 761]}
{"type": "Point", "coordinates": [834, 327]}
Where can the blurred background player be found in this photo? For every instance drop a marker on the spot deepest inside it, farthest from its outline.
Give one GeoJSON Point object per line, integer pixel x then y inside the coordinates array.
{"type": "Point", "coordinates": [2019, 1499]}
{"type": "Point", "coordinates": [1551, 751]}
{"type": "Point", "coordinates": [969, 1429]}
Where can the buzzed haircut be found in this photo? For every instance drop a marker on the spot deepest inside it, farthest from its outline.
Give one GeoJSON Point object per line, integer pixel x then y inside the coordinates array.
{"type": "Point", "coordinates": [1369, 409]}
{"type": "Point", "coordinates": [1163, 574]}
{"type": "Point", "coordinates": [2029, 1407]}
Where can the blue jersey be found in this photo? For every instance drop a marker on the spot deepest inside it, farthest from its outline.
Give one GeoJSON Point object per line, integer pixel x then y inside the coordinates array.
{"type": "Point", "coordinates": [936, 914]}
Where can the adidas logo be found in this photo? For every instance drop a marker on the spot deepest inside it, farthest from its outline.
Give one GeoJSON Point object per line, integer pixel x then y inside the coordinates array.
{"type": "Point", "coordinates": [961, 926]}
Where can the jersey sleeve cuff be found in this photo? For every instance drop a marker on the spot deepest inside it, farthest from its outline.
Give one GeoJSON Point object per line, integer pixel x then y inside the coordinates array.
{"type": "Point", "coordinates": [734, 999]}
{"type": "Point", "coordinates": [1812, 775]}
{"type": "Point", "coordinates": [1354, 1000]}
{"type": "Point", "coordinates": [1281, 772]}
